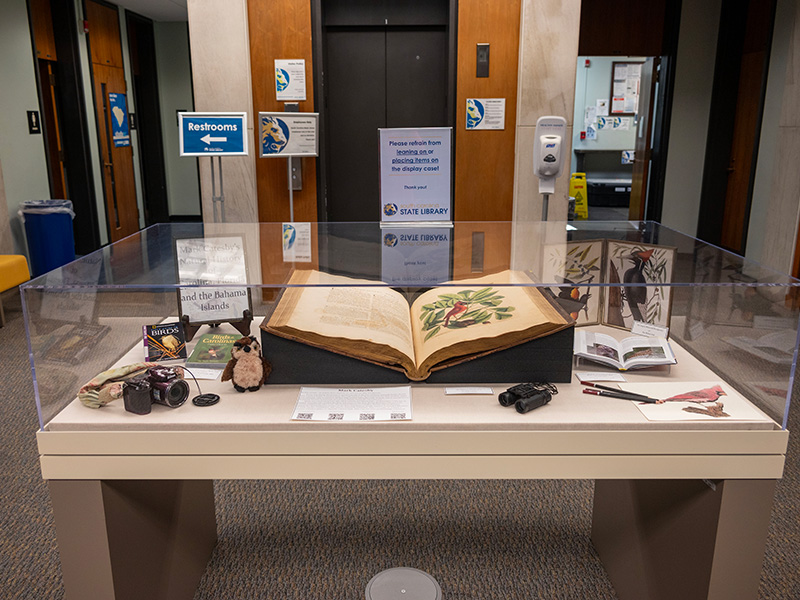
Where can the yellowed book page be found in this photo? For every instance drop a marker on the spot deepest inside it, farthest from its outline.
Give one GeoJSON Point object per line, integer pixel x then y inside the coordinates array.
{"type": "Point", "coordinates": [375, 313]}
{"type": "Point", "coordinates": [519, 308]}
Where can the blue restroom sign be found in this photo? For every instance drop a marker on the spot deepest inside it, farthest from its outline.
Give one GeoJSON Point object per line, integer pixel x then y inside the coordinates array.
{"type": "Point", "coordinates": [120, 131]}
{"type": "Point", "coordinates": [213, 134]}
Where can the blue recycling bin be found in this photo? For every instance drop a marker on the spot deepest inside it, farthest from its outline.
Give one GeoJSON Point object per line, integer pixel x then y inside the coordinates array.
{"type": "Point", "coordinates": [48, 227]}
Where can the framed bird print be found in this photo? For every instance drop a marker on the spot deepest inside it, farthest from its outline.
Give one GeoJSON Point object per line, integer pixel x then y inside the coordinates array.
{"type": "Point", "coordinates": [576, 266]}
{"type": "Point", "coordinates": [639, 276]}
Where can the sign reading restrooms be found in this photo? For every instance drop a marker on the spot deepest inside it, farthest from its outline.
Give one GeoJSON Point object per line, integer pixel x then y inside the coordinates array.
{"type": "Point", "coordinates": [415, 174]}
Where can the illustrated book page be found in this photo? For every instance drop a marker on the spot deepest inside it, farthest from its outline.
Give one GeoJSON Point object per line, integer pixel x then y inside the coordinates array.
{"type": "Point", "coordinates": [373, 322]}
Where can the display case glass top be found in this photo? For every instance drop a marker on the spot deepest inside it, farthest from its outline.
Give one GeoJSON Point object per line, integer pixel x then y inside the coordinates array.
{"type": "Point", "coordinates": [729, 319]}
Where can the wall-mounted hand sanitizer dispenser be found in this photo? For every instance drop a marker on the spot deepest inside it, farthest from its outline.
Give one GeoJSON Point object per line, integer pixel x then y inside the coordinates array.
{"type": "Point", "coordinates": [548, 154]}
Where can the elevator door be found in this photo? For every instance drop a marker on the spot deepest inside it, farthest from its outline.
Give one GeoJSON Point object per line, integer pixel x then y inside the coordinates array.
{"type": "Point", "coordinates": [376, 76]}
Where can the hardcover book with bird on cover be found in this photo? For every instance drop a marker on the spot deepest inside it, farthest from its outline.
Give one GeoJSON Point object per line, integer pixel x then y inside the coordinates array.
{"type": "Point", "coordinates": [443, 326]}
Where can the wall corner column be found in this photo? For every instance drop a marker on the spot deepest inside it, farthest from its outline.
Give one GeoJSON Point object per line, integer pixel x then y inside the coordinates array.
{"type": "Point", "coordinates": [220, 52]}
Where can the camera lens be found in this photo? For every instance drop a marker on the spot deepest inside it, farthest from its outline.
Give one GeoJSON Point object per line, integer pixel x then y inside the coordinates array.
{"type": "Point", "coordinates": [507, 398]}
{"type": "Point", "coordinates": [170, 393]}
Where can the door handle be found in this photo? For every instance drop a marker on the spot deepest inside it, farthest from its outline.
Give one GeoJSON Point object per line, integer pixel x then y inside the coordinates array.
{"type": "Point", "coordinates": [108, 165]}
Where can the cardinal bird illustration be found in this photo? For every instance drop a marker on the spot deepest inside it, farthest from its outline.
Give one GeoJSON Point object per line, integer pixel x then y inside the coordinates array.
{"type": "Point", "coordinates": [458, 308]}
{"type": "Point", "coordinates": [636, 295]}
{"type": "Point", "coordinates": [711, 394]}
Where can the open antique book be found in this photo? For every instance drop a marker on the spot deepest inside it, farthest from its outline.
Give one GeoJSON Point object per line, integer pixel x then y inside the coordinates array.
{"type": "Point", "coordinates": [443, 326]}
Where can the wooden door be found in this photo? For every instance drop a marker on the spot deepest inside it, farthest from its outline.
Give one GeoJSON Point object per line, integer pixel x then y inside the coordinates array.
{"type": "Point", "coordinates": [118, 183]}
{"type": "Point", "coordinates": [644, 135]}
{"type": "Point", "coordinates": [122, 212]}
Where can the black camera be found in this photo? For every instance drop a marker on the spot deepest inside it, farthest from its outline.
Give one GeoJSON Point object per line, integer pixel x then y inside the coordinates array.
{"type": "Point", "coordinates": [527, 396]}
{"type": "Point", "coordinates": [159, 384]}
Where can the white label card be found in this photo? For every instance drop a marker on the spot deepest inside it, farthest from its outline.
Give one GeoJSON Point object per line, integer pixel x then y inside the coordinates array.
{"type": "Point", "coordinates": [468, 391]}
{"type": "Point", "coordinates": [649, 330]}
{"type": "Point", "coordinates": [296, 242]}
{"type": "Point", "coordinates": [290, 79]}
{"type": "Point", "coordinates": [599, 376]}
{"type": "Point", "coordinates": [349, 405]}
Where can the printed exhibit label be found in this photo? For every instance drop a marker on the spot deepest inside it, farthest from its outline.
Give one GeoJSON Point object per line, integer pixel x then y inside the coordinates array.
{"type": "Point", "coordinates": [486, 113]}
{"type": "Point", "coordinates": [415, 174]}
{"type": "Point", "coordinates": [213, 261]}
{"type": "Point", "coordinates": [288, 134]}
{"type": "Point", "coordinates": [290, 79]}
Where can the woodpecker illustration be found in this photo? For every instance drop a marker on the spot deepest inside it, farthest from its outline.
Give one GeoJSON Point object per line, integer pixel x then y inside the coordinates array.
{"type": "Point", "coordinates": [636, 295]}
{"type": "Point", "coordinates": [458, 308]}
{"type": "Point", "coordinates": [711, 394]}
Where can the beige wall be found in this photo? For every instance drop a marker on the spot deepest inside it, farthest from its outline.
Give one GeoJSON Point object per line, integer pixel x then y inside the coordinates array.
{"type": "Point", "coordinates": [548, 58]}
{"type": "Point", "coordinates": [776, 196]}
{"type": "Point", "coordinates": [6, 243]}
{"type": "Point", "coordinates": [220, 50]}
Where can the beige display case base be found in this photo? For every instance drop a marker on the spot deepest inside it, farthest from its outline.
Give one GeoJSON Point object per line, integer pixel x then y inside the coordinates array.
{"type": "Point", "coordinates": [130, 540]}
{"type": "Point", "coordinates": [693, 540]}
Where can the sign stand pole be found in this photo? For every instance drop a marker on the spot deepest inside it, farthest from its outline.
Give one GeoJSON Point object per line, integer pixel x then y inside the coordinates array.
{"type": "Point", "coordinates": [214, 197]}
{"type": "Point", "coordinates": [291, 189]}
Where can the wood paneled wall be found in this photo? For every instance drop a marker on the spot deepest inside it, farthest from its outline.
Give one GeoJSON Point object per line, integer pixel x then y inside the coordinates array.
{"type": "Point", "coordinates": [484, 168]}
{"type": "Point", "coordinates": [280, 29]}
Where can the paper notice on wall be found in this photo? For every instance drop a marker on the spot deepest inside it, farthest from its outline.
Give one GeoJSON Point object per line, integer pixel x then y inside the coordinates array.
{"type": "Point", "coordinates": [486, 113]}
{"type": "Point", "coordinates": [590, 117]}
{"type": "Point", "coordinates": [620, 71]}
{"type": "Point", "coordinates": [591, 133]}
{"type": "Point", "coordinates": [602, 108]}
{"type": "Point", "coordinates": [624, 123]}
{"type": "Point", "coordinates": [619, 88]}
{"type": "Point", "coordinates": [290, 79]}
{"type": "Point", "coordinates": [627, 157]}
{"type": "Point", "coordinates": [635, 70]}
{"type": "Point", "coordinates": [618, 104]}
{"type": "Point", "coordinates": [296, 242]}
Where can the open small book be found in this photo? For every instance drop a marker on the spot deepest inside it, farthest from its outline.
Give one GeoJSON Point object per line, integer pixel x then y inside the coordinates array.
{"type": "Point", "coordinates": [630, 353]}
{"type": "Point", "coordinates": [443, 326]}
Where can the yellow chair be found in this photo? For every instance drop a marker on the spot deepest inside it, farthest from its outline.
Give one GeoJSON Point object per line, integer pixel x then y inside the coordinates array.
{"type": "Point", "coordinates": [13, 271]}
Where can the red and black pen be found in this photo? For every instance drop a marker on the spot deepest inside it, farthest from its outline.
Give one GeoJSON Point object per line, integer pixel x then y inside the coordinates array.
{"type": "Point", "coordinates": [622, 395]}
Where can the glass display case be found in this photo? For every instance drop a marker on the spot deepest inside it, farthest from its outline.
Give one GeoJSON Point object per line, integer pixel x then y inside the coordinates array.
{"type": "Point", "coordinates": [730, 321]}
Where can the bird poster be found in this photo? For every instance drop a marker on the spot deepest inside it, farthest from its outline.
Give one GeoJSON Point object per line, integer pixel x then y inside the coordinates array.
{"type": "Point", "coordinates": [695, 401]}
{"type": "Point", "coordinates": [638, 276]}
{"type": "Point", "coordinates": [577, 267]}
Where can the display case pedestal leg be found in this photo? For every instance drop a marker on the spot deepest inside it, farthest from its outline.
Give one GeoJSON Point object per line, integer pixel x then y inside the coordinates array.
{"type": "Point", "coordinates": [667, 539]}
{"type": "Point", "coordinates": [126, 540]}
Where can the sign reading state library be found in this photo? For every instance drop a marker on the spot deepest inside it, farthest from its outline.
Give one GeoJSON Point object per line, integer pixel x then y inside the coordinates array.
{"type": "Point", "coordinates": [212, 134]}
{"type": "Point", "coordinates": [415, 174]}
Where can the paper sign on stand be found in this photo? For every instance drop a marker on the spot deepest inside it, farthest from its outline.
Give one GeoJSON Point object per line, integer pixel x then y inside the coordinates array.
{"type": "Point", "coordinates": [283, 134]}
{"type": "Point", "coordinates": [415, 174]}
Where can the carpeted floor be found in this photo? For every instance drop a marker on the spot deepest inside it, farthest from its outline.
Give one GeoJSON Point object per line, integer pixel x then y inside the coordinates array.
{"type": "Point", "coordinates": [315, 540]}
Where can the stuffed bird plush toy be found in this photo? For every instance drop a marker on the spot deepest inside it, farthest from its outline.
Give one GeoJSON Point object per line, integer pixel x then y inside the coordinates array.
{"type": "Point", "coordinates": [247, 369]}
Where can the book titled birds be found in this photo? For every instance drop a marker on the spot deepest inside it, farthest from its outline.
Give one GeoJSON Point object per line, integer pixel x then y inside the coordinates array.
{"type": "Point", "coordinates": [164, 341]}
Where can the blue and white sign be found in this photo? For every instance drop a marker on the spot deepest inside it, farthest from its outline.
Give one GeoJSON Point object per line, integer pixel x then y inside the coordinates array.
{"type": "Point", "coordinates": [120, 131]}
{"type": "Point", "coordinates": [284, 134]}
{"type": "Point", "coordinates": [486, 113]}
{"type": "Point", "coordinates": [415, 174]}
{"type": "Point", "coordinates": [290, 80]}
{"type": "Point", "coordinates": [415, 255]}
{"type": "Point", "coordinates": [213, 134]}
